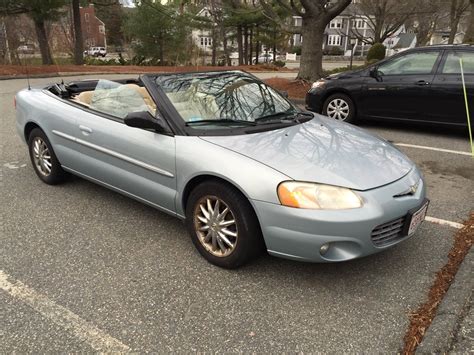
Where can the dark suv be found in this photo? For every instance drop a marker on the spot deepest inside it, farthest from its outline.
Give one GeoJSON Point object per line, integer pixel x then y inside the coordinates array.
{"type": "Point", "coordinates": [422, 84]}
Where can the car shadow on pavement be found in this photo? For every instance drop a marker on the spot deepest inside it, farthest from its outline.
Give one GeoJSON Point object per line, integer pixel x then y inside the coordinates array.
{"type": "Point", "coordinates": [414, 127]}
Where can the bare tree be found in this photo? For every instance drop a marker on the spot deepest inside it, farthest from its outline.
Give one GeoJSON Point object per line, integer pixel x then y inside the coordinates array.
{"type": "Point", "coordinates": [457, 10]}
{"type": "Point", "coordinates": [428, 16]}
{"type": "Point", "coordinates": [316, 15]}
{"type": "Point", "coordinates": [469, 37]}
{"type": "Point", "coordinates": [383, 18]}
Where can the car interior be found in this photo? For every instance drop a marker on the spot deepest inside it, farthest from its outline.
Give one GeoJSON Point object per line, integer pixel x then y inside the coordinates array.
{"type": "Point", "coordinates": [118, 97]}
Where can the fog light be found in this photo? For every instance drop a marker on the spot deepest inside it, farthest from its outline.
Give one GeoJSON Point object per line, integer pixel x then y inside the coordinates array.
{"type": "Point", "coordinates": [324, 249]}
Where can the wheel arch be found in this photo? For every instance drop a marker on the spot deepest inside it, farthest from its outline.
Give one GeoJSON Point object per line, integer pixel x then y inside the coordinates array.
{"type": "Point", "coordinates": [198, 179]}
{"type": "Point", "coordinates": [30, 126]}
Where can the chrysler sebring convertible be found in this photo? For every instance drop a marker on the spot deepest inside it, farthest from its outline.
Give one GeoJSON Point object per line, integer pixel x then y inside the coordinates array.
{"type": "Point", "coordinates": [242, 166]}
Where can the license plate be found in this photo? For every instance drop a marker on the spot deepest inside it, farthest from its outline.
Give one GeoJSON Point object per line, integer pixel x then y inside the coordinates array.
{"type": "Point", "coordinates": [416, 218]}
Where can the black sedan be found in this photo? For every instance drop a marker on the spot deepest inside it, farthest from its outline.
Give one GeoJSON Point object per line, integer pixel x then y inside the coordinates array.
{"type": "Point", "coordinates": [421, 85]}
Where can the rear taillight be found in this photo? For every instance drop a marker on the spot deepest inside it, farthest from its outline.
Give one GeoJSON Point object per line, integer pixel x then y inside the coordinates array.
{"type": "Point", "coordinates": [14, 102]}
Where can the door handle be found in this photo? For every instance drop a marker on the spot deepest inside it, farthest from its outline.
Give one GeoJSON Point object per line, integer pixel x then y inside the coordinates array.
{"type": "Point", "coordinates": [85, 130]}
{"type": "Point", "coordinates": [422, 83]}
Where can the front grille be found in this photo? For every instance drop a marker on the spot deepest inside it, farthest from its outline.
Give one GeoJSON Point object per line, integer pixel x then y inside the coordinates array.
{"type": "Point", "coordinates": [388, 233]}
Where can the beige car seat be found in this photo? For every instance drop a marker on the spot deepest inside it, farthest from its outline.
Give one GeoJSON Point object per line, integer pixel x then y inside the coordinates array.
{"type": "Point", "coordinates": [85, 97]}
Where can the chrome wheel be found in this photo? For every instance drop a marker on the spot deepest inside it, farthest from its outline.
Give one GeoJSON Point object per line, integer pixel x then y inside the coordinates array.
{"type": "Point", "coordinates": [338, 109]}
{"type": "Point", "coordinates": [215, 226]}
{"type": "Point", "coordinates": [42, 156]}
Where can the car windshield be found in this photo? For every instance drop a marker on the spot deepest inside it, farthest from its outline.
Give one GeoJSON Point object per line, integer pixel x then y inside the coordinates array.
{"type": "Point", "coordinates": [216, 100]}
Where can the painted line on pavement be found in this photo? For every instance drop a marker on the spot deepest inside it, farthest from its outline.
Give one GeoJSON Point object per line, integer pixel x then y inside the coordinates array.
{"type": "Point", "coordinates": [433, 148]}
{"type": "Point", "coordinates": [83, 330]}
{"type": "Point", "coordinates": [444, 222]}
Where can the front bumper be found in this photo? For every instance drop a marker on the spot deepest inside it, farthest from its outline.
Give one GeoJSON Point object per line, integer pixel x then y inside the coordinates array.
{"type": "Point", "coordinates": [299, 233]}
{"type": "Point", "coordinates": [313, 100]}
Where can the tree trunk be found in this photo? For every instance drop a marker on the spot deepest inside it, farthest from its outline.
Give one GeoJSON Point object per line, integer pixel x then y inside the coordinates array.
{"type": "Point", "coordinates": [251, 46]}
{"type": "Point", "coordinates": [257, 47]}
{"type": "Point", "coordinates": [40, 28]}
{"type": "Point", "coordinates": [78, 42]}
{"type": "Point", "coordinates": [227, 60]}
{"type": "Point", "coordinates": [246, 45]}
{"type": "Point", "coordinates": [453, 21]}
{"type": "Point", "coordinates": [214, 47]}
{"type": "Point", "coordinates": [311, 63]}
{"type": "Point", "coordinates": [469, 37]}
{"type": "Point", "coordinates": [274, 44]}
{"type": "Point", "coordinates": [240, 45]}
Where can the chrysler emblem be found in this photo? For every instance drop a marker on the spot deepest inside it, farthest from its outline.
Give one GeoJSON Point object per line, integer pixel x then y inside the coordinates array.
{"type": "Point", "coordinates": [410, 191]}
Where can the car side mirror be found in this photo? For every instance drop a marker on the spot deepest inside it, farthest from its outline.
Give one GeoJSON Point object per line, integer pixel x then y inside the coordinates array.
{"type": "Point", "coordinates": [145, 120]}
{"type": "Point", "coordinates": [284, 94]}
{"type": "Point", "coordinates": [374, 72]}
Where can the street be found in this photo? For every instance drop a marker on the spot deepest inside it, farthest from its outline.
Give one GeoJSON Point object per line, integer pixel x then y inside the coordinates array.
{"type": "Point", "coordinates": [85, 269]}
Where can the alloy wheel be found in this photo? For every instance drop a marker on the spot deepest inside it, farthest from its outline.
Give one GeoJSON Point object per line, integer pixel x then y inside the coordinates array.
{"type": "Point", "coordinates": [42, 156]}
{"type": "Point", "coordinates": [215, 226]}
{"type": "Point", "coordinates": [338, 109]}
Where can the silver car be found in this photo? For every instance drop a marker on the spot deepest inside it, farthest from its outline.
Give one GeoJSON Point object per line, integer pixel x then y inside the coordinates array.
{"type": "Point", "coordinates": [246, 169]}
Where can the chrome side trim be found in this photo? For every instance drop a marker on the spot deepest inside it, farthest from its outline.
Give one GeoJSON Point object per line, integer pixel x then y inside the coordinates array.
{"type": "Point", "coordinates": [123, 157]}
{"type": "Point", "coordinates": [123, 192]}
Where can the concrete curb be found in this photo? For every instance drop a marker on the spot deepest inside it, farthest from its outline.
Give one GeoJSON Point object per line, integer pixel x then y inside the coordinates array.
{"type": "Point", "coordinates": [441, 334]}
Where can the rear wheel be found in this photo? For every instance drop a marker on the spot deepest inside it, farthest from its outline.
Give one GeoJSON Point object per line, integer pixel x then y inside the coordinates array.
{"type": "Point", "coordinates": [223, 225]}
{"type": "Point", "coordinates": [339, 107]}
{"type": "Point", "coordinates": [45, 162]}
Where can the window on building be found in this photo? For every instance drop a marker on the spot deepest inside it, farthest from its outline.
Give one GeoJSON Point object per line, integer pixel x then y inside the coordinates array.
{"type": "Point", "coordinates": [336, 23]}
{"type": "Point", "coordinates": [86, 17]}
{"type": "Point", "coordinates": [360, 24]}
{"type": "Point", "coordinates": [101, 29]}
{"type": "Point", "coordinates": [334, 40]}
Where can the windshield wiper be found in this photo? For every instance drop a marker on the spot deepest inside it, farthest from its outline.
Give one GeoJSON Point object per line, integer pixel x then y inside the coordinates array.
{"type": "Point", "coordinates": [277, 116]}
{"type": "Point", "coordinates": [225, 121]}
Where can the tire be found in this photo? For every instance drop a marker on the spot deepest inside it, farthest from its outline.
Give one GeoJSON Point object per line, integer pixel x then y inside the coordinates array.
{"type": "Point", "coordinates": [244, 234]}
{"type": "Point", "coordinates": [340, 107]}
{"type": "Point", "coordinates": [49, 170]}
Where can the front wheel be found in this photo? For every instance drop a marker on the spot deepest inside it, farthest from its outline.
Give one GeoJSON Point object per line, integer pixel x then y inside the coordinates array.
{"type": "Point", "coordinates": [339, 107]}
{"type": "Point", "coordinates": [44, 161]}
{"type": "Point", "coordinates": [223, 225]}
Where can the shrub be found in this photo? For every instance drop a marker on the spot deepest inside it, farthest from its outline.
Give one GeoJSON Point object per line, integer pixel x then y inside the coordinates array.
{"type": "Point", "coordinates": [297, 50]}
{"type": "Point", "coordinates": [333, 50]}
{"type": "Point", "coordinates": [279, 63]}
{"type": "Point", "coordinates": [377, 52]}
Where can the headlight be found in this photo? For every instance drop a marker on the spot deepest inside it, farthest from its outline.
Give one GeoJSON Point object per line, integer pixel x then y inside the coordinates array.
{"type": "Point", "coordinates": [317, 196]}
{"type": "Point", "coordinates": [318, 84]}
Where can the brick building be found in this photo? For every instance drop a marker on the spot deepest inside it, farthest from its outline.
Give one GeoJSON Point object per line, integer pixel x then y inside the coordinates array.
{"type": "Point", "coordinates": [93, 29]}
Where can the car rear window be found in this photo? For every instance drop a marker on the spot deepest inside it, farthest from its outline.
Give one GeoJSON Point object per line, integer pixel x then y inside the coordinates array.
{"type": "Point", "coordinates": [452, 65]}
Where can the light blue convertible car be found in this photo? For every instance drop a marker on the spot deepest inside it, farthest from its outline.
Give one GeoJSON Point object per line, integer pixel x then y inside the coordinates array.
{"type": "Point", "coordinates": [244, 167]}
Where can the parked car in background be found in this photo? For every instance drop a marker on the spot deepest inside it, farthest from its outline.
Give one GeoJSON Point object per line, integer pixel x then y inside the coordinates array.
{"type": "Point", "coordinates": [26, 49]}
{"type": "Point", "coordinates": [245, 168]}
{"type": "Point", "coordinates": [419, 85]}
{"type": "Point", "coordinates": [96, 52]}
{"type": "Point", "coordinates": [263, 58]}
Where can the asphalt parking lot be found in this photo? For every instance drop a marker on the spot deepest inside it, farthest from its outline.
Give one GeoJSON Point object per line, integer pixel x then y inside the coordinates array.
{"type": "Point", "coordinates": [84, 268]}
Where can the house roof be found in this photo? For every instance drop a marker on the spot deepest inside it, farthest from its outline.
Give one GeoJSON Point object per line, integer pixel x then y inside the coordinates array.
{"type": "Point", "coordinates": [405, 41]}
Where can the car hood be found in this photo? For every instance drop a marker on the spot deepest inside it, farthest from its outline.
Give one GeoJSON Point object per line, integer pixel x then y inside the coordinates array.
{"type": "Point", "coordinates": [325, 151]}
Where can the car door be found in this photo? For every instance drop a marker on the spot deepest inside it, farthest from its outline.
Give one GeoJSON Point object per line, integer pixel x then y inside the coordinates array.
{"type": "Point", "coordinates": [448, 104]}
{"type": "Point", "coordinates": [138, 162]}
{"type": "Point", "coordinates": [400, 87]}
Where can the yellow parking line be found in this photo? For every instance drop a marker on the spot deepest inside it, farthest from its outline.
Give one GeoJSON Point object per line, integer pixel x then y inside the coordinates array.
{"type": "Point", "coordinates": [433, 148]}
{"type": "Point", "coordinates": [444, 222]}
